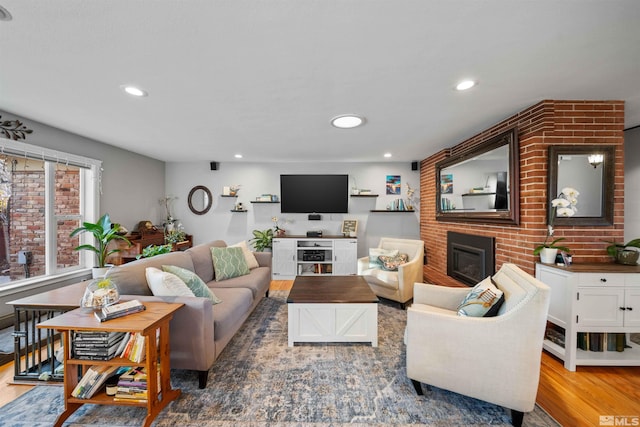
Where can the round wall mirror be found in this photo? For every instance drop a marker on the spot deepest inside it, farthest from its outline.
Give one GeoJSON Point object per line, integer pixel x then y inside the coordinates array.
{"type": "Point", "coordinates": [200, 200]}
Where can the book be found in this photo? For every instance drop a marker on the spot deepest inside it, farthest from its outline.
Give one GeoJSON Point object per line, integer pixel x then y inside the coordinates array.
{"type": "Point", "coordinates": [119, 310]}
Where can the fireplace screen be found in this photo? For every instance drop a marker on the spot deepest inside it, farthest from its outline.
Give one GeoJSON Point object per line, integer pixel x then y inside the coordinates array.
{"type": "Point", "coordinates": [470, 258]}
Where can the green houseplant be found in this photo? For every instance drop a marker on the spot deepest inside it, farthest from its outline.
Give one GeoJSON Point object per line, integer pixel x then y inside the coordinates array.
{"type": "Point", "coordinates": [153, 250]}
{"type": "Point", "coordinates": [262, 239]}
{"type": "Point", "coordinates": [621, 254]}
{"type": "Point", "coordinates": [103, 232]}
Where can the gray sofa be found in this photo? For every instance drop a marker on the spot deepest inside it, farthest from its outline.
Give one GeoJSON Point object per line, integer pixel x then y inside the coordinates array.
{"type": "Point", "coordinates": [199, 331]}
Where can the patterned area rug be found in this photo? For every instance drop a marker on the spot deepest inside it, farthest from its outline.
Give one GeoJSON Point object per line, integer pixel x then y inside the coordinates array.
{"type": "Point", "coordinates": [259, 381]}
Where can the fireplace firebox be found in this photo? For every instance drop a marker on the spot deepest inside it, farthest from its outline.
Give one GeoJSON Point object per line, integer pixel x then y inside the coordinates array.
{"type": "Point", "coordinates": [470, 258]}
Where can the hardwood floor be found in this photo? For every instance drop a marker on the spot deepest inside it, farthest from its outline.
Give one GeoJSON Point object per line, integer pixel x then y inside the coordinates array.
{"type": "Point", "coordinates": [574, 399]}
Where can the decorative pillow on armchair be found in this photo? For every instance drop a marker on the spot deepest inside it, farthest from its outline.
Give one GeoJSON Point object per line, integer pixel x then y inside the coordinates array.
{"type": "Point", "coordinates": [229, 262]}
{"type": "Point", "coordinates": [391, 263]}
{"type": "Point", "coordinates": [375, 253]}
{"type": "Point", "coordinates": [484, 300]}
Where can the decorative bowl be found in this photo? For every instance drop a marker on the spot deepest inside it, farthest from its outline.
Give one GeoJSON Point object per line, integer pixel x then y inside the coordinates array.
{"type": "Point", "coordinates": [100, 293]}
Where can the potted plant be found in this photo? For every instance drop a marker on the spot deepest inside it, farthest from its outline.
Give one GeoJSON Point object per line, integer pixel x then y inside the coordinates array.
{"type": "Point", "coordinates": [153, 250]}
{"type": "Point", "coordinates": [564, 205]}
{"type": "Point", "coordinates": [104, 232]}
{"type": "Point", "coordinates": [622, 255]}
{"type": "Point", "coordinates": [262, 240]}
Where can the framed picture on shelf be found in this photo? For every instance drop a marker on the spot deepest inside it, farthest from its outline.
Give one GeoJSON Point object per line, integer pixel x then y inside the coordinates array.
{"type": "Point", "coordinates": [350, 227]}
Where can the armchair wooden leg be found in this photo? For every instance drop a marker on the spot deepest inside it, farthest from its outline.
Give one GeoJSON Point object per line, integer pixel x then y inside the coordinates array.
{"type": "Point", "coordinates": [516, 418]}
{"type": "Point", "coordinates": [202, 379]}
{"type": "Point", "coordinates": [418, 387]}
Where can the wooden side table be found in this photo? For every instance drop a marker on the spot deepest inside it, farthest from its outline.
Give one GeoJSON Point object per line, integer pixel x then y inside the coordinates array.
{"type": "Point", "coordinates": [151, 323]}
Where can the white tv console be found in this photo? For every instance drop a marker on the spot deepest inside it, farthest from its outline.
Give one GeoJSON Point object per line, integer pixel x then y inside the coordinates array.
{"type": "Point", "coordinates": [300, 256]}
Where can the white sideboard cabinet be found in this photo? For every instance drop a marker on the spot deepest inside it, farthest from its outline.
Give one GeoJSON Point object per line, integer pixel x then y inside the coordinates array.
{"type": "Point", "coordinates": [298, 255]}
{"type": "Point", "coordinates": [593, 298]}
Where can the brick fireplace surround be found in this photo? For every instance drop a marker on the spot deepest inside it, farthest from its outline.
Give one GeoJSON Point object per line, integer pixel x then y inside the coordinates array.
{"type": "Point", "coordinates": [540, 126]}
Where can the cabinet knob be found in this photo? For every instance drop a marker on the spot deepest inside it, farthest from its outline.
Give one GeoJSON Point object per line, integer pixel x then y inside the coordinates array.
{"type": "Point", "coordinates": [603, 280]}
{"type": "Point", "coordinates": [622, 308]}
{"type": "Point", "coordinates": [630, 308]}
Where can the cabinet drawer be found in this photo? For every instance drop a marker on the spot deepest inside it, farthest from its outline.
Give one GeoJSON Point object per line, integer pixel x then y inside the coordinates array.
{"type": "Point", "coordinates": [632, 280]}
{"type": "Point", "coordinates": [601, 279]}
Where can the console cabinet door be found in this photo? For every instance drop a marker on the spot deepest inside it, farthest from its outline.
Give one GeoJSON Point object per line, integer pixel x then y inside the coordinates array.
{"type": "Point", "coordinates": [345, 257]}
{"type": "Point", "coordinates": [284, 257]}
{"type": "Point", "coordinates": [632, 307]}
{"type": "Point", "coordinates": [600, 307]}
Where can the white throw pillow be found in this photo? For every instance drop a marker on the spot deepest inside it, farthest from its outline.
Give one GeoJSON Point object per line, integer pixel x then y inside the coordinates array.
{"type": "Point", "coordinates": [252, 262]}
{"type": "Point", "coordinates": [166, 284]}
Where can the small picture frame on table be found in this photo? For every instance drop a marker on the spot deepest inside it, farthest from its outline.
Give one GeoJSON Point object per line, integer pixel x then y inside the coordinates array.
{"type": "Point", "coordinates": [349, 227]}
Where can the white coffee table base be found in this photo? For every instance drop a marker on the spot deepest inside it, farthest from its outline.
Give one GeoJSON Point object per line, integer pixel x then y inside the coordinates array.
{"type": "Point", "coordinates": [333, 322]}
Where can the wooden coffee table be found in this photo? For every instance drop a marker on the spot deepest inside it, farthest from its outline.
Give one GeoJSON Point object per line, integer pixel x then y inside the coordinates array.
{"type": "Point", "coordinates": [332, 309]}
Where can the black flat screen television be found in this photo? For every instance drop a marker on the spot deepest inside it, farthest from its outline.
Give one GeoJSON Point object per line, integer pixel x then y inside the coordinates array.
{"type": "Point", "coordinates": [314, 193]}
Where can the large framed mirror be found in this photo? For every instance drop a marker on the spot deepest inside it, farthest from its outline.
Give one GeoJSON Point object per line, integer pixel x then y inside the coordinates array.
{"type": "Point", "coordinates": [200, 200]}
{"type": "Point", "coordinates": [590, 170]}
{"type": "Point", "coordinates": [481, 184]}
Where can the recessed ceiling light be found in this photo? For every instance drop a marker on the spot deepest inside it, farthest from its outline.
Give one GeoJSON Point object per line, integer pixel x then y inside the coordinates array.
{"type": "Point", "coordinates": [387, 155]}
{"type": "Point", "coordinates": [5, 15]}
{"type": "Point", "coordinates": [238, 156]}
{"type": "Point", "coordinates": [134, 91]}
{"type": "Point", "coordinates": [347, 121]}
{"type": "Point", "coordinates": [466, 84]}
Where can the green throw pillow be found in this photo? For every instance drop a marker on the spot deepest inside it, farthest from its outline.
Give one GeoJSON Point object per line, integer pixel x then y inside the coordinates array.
{"type": "Point", "coordinates": [229, 262]}
{"type": "Point", "coordinates": [484, 300]}
{"type": "Point", "coordinates": [193, 282]}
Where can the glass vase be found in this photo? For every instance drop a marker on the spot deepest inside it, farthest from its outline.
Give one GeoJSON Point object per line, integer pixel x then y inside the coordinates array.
{"type": "Point", "coordinates": [100, 293]}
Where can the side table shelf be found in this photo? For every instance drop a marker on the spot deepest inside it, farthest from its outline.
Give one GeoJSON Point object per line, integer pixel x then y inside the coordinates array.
{"type": "Point", "coordinates": [151, 323]}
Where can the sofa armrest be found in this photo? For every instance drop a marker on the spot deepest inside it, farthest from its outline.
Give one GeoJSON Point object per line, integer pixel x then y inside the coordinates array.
{"type": "Point", "coordinates": [439, 296]}
{"type": "Point", "coordinates": [190, 332]}
{"type": "Point", "coordinates": [263, 258]}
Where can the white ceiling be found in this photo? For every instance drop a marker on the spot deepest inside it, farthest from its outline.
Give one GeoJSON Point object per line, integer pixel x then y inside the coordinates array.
{"type": "Point", "coordinates": [264, 77]}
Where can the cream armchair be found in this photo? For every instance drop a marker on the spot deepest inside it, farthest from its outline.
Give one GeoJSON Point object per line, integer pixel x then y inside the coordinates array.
{"type": "Point", "coordinates": [395, 285]}
{"type": "Point", "coordinates": [495, 359]}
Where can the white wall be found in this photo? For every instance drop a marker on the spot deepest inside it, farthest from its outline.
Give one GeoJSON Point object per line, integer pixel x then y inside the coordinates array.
{"type": "Point", "coordinates": [258, 178]}
{"type": "Point", "coordinates": [632, 184]}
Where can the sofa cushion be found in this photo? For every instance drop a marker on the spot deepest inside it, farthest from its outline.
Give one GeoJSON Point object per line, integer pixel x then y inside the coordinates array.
{"type": "Point", "coordinates": [257, 282]}
{"type": "Point", "coordinates": [201, 256]}
{"type": "Point", "coordinates": [483, 300]}
{"type": "Point", "coordinates": [376, 253]}
{"type": "Point", "coordinates": [131, 277]}
{"type": "Point", "coordinates": [228, 263]}
{"type": "Point", "coordinates": [167, 284]}
{"type": "Point", "coordinates": [391, 263]}
{"type": "Point", "coordinates": [252, 262]}
{"type": "Point", "coordinates": [193, 282]}
{"type": "Point", "coordinates": [227, 317]}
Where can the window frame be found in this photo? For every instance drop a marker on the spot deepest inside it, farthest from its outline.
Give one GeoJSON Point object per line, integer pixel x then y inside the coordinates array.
{"type": "Point", "coordinates": [90, 190]}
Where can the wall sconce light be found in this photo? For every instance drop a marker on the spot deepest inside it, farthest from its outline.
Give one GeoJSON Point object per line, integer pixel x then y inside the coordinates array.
{"type": "Point", "coordinates": [595, 159]}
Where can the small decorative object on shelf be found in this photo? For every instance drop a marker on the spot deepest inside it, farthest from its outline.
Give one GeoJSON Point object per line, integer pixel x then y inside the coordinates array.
{"type": "Point", "coordinates": [231, 191]}
{"type": "Point", "coordinates": [100, 293]}
{"type": "Point", "coordinates": [278, 232]}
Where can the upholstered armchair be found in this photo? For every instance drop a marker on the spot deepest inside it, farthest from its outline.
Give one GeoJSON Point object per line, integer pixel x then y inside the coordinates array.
{"type": "Point", "coordinates": [395, 285]}
{"type": "Point", "coordinates": [495, 359]}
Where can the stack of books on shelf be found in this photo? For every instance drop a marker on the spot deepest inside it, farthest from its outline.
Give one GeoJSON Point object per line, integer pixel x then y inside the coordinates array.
{"type": "Point", "coordinates": [118, 310]}
{"type": "Point", "coordinates": [96, 345]}
{"type": "Point", "coordinates": [134, 347]}
{"type": "Point", "coordinates": [92, 381]}
{"type": "Point", "coordinates": [132, 385]}
{"type": "Point", "coordinates": [601, 341]}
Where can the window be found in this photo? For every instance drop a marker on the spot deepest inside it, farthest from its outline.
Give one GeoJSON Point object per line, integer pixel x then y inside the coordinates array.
{"type": "Point", "coordinates": [44, 195]}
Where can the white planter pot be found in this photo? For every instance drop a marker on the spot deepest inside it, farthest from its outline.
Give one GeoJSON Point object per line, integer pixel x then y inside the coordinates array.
{"type": "Point", "coordinates": [100, 272]}
{"type": "Point", "coordinates": [548, 255]}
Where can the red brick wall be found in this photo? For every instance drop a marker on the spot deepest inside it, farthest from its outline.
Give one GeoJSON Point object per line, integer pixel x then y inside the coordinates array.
{"type": "Point", "coordinates": [27, 213]}
{"type": "Point", "coordinates": [544, 124]}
